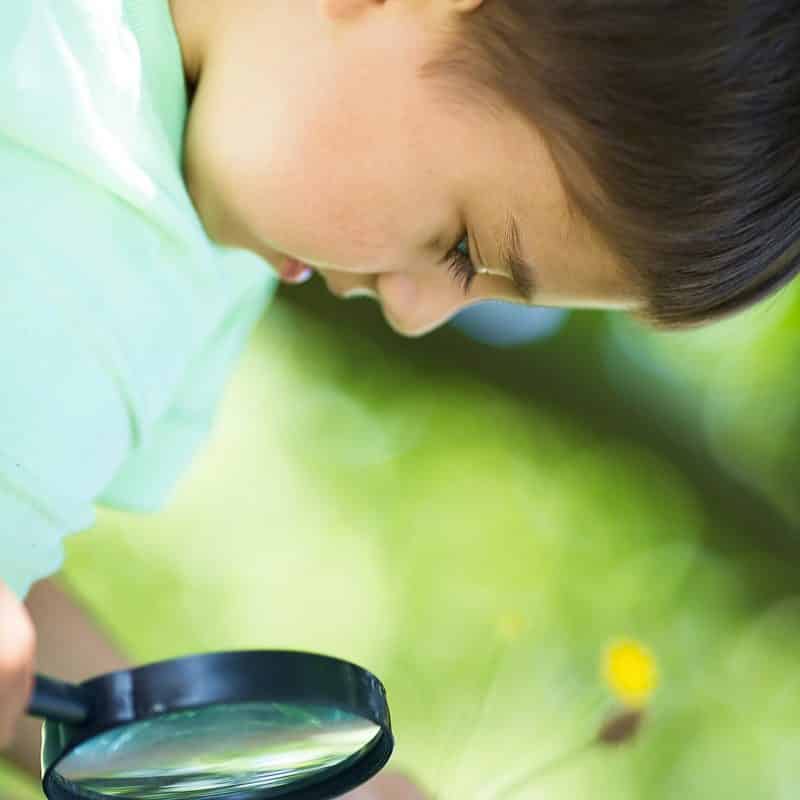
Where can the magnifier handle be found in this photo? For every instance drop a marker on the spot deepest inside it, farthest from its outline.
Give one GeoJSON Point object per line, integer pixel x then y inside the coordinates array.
{"type": "Point", "coordinates": [59, 701]}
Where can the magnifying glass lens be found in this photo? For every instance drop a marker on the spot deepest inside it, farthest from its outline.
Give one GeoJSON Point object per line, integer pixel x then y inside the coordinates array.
{"type": "Point", "coordinates": [216, 752]}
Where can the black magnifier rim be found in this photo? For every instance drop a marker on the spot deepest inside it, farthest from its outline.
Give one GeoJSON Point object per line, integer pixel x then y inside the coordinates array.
{"type": "Point", "coordinates": [191, 682]}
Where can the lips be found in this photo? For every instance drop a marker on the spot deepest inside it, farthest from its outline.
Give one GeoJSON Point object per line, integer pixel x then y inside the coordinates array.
{"type": "Point", "coordinates": [294, 271]}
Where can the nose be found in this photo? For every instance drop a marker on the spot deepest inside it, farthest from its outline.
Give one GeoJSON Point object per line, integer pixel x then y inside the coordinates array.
{"type": "Point", "coordinates": [348, 285]}
{"type": "Point", "coordinates": [414, 306]}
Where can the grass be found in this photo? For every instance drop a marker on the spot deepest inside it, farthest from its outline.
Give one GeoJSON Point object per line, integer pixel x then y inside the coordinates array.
{"type": "Point", "coordinates": [477, 552]}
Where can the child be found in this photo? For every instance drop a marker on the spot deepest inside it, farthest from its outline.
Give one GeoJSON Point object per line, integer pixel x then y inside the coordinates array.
{"type": "Point", "coordinates": [164, 161]}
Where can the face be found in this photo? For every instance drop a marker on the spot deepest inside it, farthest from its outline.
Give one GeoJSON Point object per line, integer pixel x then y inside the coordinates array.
{"type": "Point", "coordinates": [312, 137]}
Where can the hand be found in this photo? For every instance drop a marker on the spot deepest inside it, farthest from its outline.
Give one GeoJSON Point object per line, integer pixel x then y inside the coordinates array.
{"type": "Point", "coordinates": [17, 653]}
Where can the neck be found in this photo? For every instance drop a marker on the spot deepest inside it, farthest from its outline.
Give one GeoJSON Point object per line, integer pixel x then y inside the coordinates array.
{"type": "Point", "coordinates": [191, 26]}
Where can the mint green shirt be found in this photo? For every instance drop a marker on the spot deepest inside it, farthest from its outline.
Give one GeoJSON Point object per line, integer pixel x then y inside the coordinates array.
{"type": "Point", "coordinates": [120, 320]}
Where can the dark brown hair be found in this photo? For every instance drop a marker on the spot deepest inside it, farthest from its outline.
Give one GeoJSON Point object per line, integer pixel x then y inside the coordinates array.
{"type": "Point", "coordinates": [674, 126]}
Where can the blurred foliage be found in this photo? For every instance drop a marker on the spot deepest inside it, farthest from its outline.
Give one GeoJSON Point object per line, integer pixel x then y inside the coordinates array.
{"type": "Point", "coordinates": [737, 385]}
{"type": "Point", "coordinates": [476, 526]}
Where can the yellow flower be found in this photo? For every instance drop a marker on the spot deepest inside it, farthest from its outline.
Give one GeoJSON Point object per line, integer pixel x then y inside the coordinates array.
{"type": "Point", "coordinates": [630, 670]}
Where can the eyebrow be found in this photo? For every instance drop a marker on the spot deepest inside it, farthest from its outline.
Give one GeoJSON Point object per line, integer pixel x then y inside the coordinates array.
{"type": "Point", "coordinates": [522, 274]}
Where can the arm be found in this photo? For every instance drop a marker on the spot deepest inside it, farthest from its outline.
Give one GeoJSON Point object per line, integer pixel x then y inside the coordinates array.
{"type": "Point", "coordinates": [17, 656]}
{"type": "Point", "coordinates": [69, 646]}
{"type": "Point", "coordinates": [72, 647]}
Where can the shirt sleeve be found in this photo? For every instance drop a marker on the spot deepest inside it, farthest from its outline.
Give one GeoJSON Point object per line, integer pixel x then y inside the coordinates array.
{"type": "Point", "coordinates": [30, 539]}
{"type": "Point", "coordinates": [119, 318]}
{"type": "Point", "coordinates": [64, 429]}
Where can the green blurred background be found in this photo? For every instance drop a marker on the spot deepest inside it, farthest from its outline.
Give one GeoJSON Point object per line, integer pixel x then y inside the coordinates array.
{"type": "Point", "coordinates": [475, 524]}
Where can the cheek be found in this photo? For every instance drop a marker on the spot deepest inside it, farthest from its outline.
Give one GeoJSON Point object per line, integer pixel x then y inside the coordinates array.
{"type": "Point", "coordinates": [300, 201]}
{"type": "Point", "coordinates": [322, 184]}
{"type": "Point", "coordinates": [247, 173]}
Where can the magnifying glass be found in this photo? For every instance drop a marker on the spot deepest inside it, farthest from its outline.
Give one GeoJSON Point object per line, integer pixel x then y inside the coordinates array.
{"type": "Point", "coordinates": [241, 725]}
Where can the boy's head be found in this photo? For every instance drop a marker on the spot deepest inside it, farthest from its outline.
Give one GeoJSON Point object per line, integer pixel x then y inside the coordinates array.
{"type": "Point", "coordinates": [648, 150]}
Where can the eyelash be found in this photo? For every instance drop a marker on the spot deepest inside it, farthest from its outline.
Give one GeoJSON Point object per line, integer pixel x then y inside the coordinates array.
{"type": "Point", "coordinates": [461, 267]}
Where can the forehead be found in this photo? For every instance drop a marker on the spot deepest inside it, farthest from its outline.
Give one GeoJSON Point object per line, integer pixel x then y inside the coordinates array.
{"type": "Point", "coordinates": [514, 172]}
